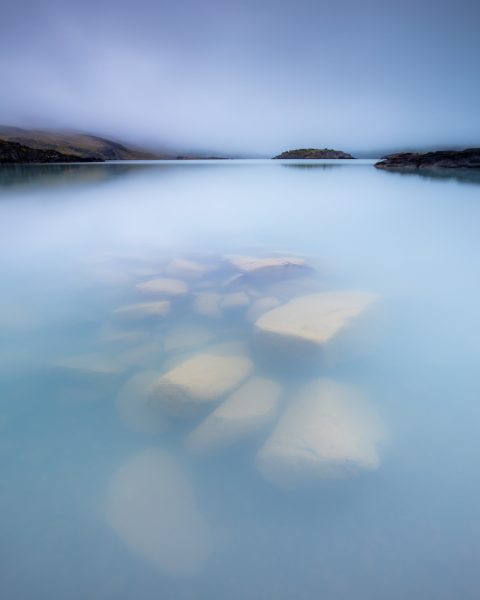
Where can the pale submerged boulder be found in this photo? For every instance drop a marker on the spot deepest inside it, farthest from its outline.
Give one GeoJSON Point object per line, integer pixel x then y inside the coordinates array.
{"type": "Point", "coordinates": [143, 311]}
{"type": "Point", "coordinates": [246, 411]}
{"type": "Point", "coordinates": [311, 324]}
{"type": "Point", "coordinates": [122, 337]}
{"type": "Point", "coordinates": [200, 381]}
{"type": "Point", "coordinates": [163, 287]}
{"type": "Point", "coordinates": [133, 407]}
{"type": "Point", "coordinates": [187, 269]}
{"type": "Point", "coordinates": [187, 337]}
{"type": "Point", "coordinates": [89, 366]}
{"type": "Point", "coordinates": [207, 304]}
{"type": "Point", "coordinates": [260, 307]}
{"type": "Point", "coordinates": [328, 431]}
{"type": "Point", "coordinates": [151, 506]}
{"type": "Point", "coordinates": [268, 268]}
{"type": "Point", "coordinates": [234, 301]}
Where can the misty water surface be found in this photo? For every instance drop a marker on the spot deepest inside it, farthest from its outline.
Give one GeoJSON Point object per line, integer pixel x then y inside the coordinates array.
{"type": "Point", "coordinates": [75, 240]}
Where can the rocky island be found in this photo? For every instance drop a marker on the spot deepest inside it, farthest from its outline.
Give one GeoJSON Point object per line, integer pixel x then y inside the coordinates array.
{"type": "Point", "coordinates": [313, 153]}
{"type": "Point", "coordinates": [440, 159]}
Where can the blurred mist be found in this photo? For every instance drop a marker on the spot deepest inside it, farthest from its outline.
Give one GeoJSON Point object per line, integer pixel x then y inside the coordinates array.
{"type": "Point", "coordinates": [246, 77]}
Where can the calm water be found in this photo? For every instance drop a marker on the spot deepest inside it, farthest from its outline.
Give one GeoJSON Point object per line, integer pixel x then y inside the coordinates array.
{"type": "Point", "coordinates": [100, 501]}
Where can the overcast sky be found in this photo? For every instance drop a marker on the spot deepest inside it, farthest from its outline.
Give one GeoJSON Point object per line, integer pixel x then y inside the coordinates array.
{"type": "Point", "coordinates": [254, 76]}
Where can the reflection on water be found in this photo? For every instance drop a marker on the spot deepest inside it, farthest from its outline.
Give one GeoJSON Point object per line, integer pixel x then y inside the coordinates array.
{"type": "Point", "coordinates": [238, 380]}
{"type": "Point", "coordinates": [460, 175]}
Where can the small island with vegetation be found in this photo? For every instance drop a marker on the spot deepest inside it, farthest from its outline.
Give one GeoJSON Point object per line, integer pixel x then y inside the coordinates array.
{"type": "Point", "coordinates": [313, 153]}
{"type": "Point", "coordinates": [440, 159]}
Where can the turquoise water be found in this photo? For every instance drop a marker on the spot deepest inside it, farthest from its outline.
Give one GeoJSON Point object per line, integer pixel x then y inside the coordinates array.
{"type": "Point", "coordinates": [100, 501]}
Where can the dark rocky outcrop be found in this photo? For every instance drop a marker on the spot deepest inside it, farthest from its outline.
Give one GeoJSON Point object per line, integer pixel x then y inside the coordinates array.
{"type": "Point", "coordinates": [14, 153]}
{"type": "Point", "coordinates": [313, 153]}
{"type": "Point", "coordinates": [77, 144]}
{"type": "Point", "coordinates": [442, 159]}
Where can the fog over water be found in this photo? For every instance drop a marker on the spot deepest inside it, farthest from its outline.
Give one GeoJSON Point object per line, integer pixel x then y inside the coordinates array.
{"type": "Point", "coordinates": [247, 77]}
{"type": "Point", "coordinates": [189, 452]}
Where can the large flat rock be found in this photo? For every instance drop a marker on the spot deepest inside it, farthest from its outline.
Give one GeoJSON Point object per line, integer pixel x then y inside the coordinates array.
{"type": "Point", "coordinates": [187, 337]}
{"type": "Point", "coordinates": [151, 506]}
{"type": "Point", "coordinates": [199, 382]}
{"type": "Point", "coordinates": [328, 431]}
{"type": "Point", "coordinates": [207, 304]}
{"type": "Point", "coordinates": [143, 310]}
{"type": "Point", "coordinates": [89, 366]}
{"type": "Point", "coordinates": [133, 406]}
{"type": "Point", "coordinates": [163, 287]}
{"type": "Point", "coordinates": [248, 409]}
{"type": "Point", "coordinates": [308, 324]}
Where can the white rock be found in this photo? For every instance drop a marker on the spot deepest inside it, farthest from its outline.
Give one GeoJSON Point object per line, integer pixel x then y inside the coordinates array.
{"type": "Point", "coordinates": [133, 407]}
{"type": "Point", "coordinates": [143, 310]}
{"type": "Point", "coordinates": [187, 337]}
{"type": "Point", "coordinates": [89, 365]}
{"type": "Point", "coordinates": [260, 307]}
{"type": "Point", "coordinates": [271, 267]}
{"type": "Point", "coordinates": [200, 381]}
{"type": "Point", "coordinates": [151, 506]}
{"type": "Point", "coordinates": [207, 304]}
{"type": "Point", "coordinates": [187, 269]}
{"type": "Point", "coordinates": [163, 287]}
{"type": "Point", "coordinates": [311, 323]}
{"type": "Point", "coordinates": [234, 301]}
{"type": "Point", "coordinates": [328, 430]}
{"type": "Point", "coordinates": [244, 412]}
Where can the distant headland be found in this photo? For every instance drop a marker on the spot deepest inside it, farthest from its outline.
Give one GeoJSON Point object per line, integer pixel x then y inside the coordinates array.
{"type": "Point", "coordinates": [441, 159]}
{"type": "Point", "coordinates": [313, 153]}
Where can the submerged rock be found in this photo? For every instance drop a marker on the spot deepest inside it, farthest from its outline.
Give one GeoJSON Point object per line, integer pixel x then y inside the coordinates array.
{"type": "Point", "coordinates": [306, 326]}
{"type": "Point", "coordinates": [123, 337]}
{"type": "Point", "coordinates": [151, 506]}
{"type": "Point", "coordinates": [89, 366]}
{"type": "Point", "coordinates": [207, 304]}
{"type": "Point", "coordinates": [133, 407]}
{"type": "Point", "coordinates": [187, 269]}
{"type": "Point", "coordinates": [234, 301]}
{"type": "Point", "coordinates": [261, 306]}
{"type": "Point", "coordinates": [143, 310]}
{"type": "Point", "coordinates": [244, 412]}
{"type": "Point", "coordinates": [328, 430]}
{"type": "Point", "coordinates": [266, 269]}
{"type": "Point", "coordinates": [187, 337]}
{"type": "Point", "coordinates": [163, 287]}
{"type": "Point", "coordinates": [199, 382]}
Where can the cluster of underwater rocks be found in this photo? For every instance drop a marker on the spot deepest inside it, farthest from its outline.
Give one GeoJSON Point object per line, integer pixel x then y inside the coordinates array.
{"type": "Point", "coordinates": [233, 350]}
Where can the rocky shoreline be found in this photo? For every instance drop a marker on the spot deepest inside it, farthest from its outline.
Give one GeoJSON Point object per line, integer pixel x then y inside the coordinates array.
{"type": "Point", "coordinates": [12, 153]}
{"type": "Point", "coordinates": [441, 159]}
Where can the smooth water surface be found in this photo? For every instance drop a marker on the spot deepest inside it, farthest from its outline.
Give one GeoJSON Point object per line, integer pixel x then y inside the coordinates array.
{"type": "Point", "coordinates": [98, 504]}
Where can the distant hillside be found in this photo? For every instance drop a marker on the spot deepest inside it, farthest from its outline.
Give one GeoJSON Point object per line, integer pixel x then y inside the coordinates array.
{"type": "Point", "coordinates": [81, 145]}
{"type": "Point", "coordinates": [14, 153]}
{"type": "Point", "coordinates": [313, 153]}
